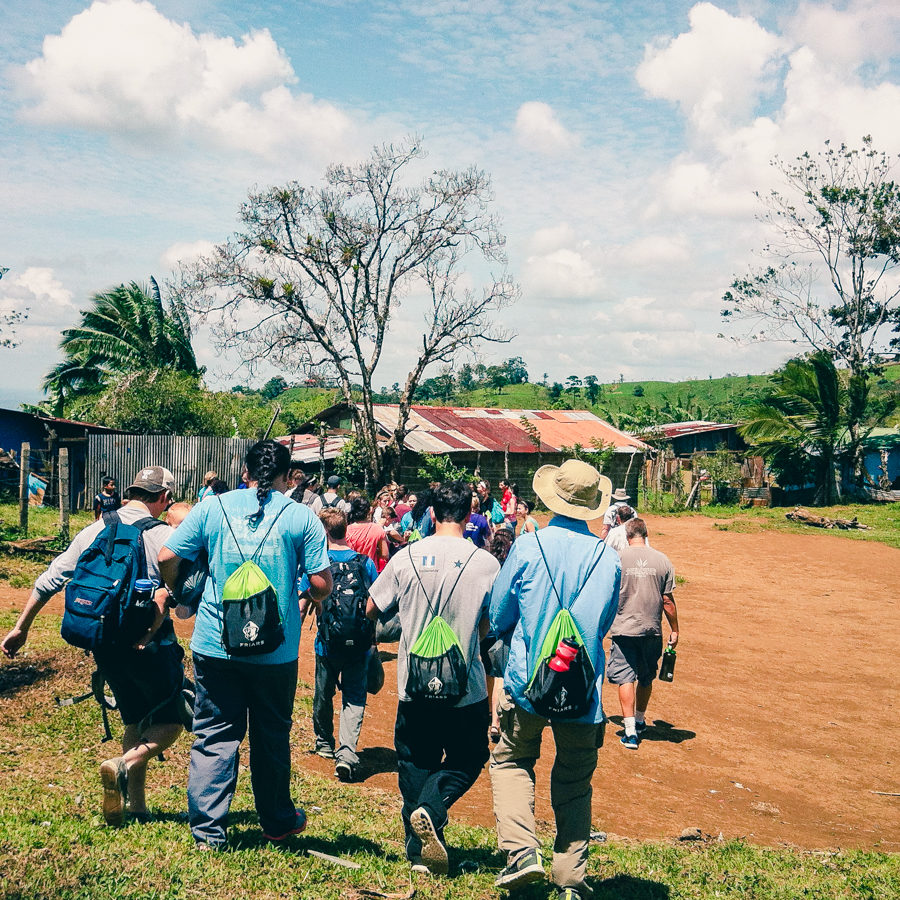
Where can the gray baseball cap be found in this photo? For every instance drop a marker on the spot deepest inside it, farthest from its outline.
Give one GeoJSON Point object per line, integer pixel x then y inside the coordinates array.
{"type": "Point", "coordinates": [153, 480]}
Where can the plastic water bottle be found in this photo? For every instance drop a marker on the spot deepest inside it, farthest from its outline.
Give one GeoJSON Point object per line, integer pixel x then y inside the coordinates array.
{"type": "Point", "coordinates": [142, 610]}
{"type": "Point", "coordinates": [564, 656]}
{"type": "Point", "coordinates": [142, 595]}
{"type": "Point", "coordinates": [667, 668]}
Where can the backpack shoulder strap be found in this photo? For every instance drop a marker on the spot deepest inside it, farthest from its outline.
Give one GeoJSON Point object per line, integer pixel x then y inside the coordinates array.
{"type": "Point", "coordinates": [587, 577]}
{"type": "Point", "coordinates": [228, 523]}
{"type": "Point", "coordinates": [111, 522]}
{"type": "Point", "coordinates": [435, 610]}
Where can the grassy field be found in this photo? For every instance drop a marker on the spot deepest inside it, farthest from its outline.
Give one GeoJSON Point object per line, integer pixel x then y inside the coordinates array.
{"type": "Point", "coordinates": [20, 570]}
{"type": "Point", "coordinates": [53, 843]}
{"type": "Point", "coordinates": [883, 520]}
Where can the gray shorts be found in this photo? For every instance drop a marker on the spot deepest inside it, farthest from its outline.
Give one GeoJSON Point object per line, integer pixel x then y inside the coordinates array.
{"type": "Point", "coordinates": [634, 659]}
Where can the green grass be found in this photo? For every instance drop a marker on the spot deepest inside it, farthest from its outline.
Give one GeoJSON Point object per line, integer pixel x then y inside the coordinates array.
{"type": "Point", "coordinates": [19, 570]}
{"type": "Point", "coordinates": [53, 843]}
{"type": "Point", "coordinates": [883, 519]}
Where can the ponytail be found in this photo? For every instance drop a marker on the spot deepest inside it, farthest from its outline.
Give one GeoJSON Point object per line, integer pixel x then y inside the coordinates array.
{"type": "Point", "coordinates": [265, 461]}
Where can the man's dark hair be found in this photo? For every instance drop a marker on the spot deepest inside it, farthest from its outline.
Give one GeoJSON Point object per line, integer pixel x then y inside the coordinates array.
{"type": "Point", "coordinates": [400, 492]}
{"type": "Point", "coordinates": [625, 513]}
{"type": "Point", "coordinates": [452, 502]}
{"type": "Point", "coordinates": [265, 461]}
{"type": "Point", "coordinates": [218, 486]}
{"type": "Point", "coordinates": [143, 496]}
{"type": "Point", "coordinates": [107, 481]}
{"type": "Point", "coordinates": [423, 501]}
{"type": "Point", "coordinates": [635, 528]}
{"type": "Point", "coordinates": [359, 510]}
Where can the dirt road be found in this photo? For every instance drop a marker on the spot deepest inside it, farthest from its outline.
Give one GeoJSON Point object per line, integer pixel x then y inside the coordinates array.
{"type": "Point", "coordinates": [781, 721]}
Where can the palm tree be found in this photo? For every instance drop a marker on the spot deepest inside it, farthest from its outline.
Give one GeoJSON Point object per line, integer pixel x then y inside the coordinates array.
{"type": "Point", "coordinates": [801, 424]}
{"type": "Point", "coordinates": [127, 329]}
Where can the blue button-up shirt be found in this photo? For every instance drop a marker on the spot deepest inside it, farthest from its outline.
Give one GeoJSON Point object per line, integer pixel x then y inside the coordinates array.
{"type": "Point", "coordinates": [523, 601]}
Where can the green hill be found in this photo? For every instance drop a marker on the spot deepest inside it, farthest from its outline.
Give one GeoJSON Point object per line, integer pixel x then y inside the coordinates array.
{"type": "Point", "coordinates": [634, 404]}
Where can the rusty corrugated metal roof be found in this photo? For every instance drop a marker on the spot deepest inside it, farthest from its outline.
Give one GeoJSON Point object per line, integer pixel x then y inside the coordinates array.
{"type": "Point", "coordinates": [449, 429]}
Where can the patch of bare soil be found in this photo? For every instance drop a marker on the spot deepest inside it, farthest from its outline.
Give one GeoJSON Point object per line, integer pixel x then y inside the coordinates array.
{"type": "Point", "coordinates": [780, 723]}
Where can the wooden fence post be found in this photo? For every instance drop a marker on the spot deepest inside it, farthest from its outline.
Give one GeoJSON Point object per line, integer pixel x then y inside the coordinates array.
{"type": "Point", "coordinates": [64, 493]}
{"type": "Point", "coordinates": [24, 469]}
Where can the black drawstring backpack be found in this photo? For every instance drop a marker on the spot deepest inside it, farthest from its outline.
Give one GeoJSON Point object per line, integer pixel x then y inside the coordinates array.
{"type": "Point", "coordinates": [436, 665]}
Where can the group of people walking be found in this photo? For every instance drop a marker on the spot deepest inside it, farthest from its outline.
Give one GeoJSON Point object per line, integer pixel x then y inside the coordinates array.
{"type": "Point", "coordinates": [271, 555]}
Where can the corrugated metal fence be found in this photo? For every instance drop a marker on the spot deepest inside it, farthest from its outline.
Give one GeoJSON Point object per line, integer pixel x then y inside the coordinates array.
{"type": "Point", "coordinates": [189, 458]}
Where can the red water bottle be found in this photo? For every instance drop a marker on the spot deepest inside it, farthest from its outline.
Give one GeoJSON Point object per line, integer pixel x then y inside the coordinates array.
{"type": "Point", "coordinates": [564, 656]}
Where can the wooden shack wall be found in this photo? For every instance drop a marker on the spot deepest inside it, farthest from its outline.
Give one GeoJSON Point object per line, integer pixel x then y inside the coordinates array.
{"type": "Point", "coordinates": [521, 467]}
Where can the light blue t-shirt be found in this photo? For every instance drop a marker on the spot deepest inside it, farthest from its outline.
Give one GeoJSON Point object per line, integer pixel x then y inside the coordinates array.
{"type": "Point", "coordinates": [296, 544]}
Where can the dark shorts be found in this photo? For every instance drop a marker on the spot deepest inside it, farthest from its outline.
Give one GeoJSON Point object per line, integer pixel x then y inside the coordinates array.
{"type": "Point", "coordinates": [142, 680]}
{"type": "Point", "coordinates": [634, 659]}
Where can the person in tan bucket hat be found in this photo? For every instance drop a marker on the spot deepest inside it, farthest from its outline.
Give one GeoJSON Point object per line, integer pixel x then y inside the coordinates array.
{"type": "Point", "coordinates": [562, 566]}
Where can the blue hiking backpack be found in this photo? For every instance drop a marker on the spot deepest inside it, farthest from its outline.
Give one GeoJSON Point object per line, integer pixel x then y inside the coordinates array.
{"type": "Point", "coordinates": [99, 609]}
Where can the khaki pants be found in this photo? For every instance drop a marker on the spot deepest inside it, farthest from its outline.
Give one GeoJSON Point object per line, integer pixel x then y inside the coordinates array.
{"type": "Point", "coordinates": [512, 780]}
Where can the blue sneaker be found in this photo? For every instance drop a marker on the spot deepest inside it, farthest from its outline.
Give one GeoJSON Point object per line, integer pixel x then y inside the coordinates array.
{"type": "Point", "coordinates": [630, 741]}
{"type": "Point", "coordinates": [640, 727]}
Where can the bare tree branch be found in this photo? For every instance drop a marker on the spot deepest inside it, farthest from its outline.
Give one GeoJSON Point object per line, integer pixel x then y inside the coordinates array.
{"type": "Point", "coordinates": [315, 276]}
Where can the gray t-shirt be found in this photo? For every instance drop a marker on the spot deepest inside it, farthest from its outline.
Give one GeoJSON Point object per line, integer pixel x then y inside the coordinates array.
{"type": "Point", "coordinates": [439, 561]}
{"type": "Point", "coordinates": [647, 574]}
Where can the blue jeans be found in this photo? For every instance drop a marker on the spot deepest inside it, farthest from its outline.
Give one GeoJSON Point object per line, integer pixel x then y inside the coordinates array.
{"type": "Point", "coordinates": [351, 673]}
{"type": "Point", "coordinates": [231, 695]}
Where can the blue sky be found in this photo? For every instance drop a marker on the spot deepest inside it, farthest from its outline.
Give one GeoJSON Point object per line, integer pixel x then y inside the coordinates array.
{"type": "Point", "coordinates": [625, 141]}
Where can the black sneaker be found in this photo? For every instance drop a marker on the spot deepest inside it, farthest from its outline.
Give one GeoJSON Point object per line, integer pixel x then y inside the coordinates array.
{"type": "Point", "coordinates": [526, 868]}
{"type": "Point", "coordinates": [344, 772]}
{"type": "Point", "coordinates": [299, 826]}
{"type": "Point", "coordinates": [434, 851]}
{"type": "Point", "coordinates": [114, 778]}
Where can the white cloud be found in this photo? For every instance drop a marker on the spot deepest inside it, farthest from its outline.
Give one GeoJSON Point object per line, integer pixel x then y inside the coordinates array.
{"type": "Point", "coordinates": [39, 291]}
{"type": "Point", "coordinates": [559, 266]}
{"type": "Point", "coordinates": [731, 146]}
{"type": "Point", "coordinates": [863, 30]}
{"type": "Point", "coordinates": [184, 253]}
{"type": "Point", "coordinates": [715, 71]}
{"type": "Point", "coordinates": [123, 68]}
{"type": "Point", "coordinates": [655, 250]}
{"type": "Point", "coordinates": [538, 128]}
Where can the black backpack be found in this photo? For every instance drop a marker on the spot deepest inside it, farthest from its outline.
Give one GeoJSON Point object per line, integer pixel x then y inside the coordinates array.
{"type": "Point", "coordinates": [344, 627]}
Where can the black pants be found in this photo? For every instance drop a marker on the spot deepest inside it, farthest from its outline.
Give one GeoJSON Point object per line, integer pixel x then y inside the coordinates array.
{"type": "Point", "coordinates": [440, 754]}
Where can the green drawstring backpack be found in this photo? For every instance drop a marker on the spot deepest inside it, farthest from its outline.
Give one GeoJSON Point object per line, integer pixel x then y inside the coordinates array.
{"type": "Point", "coordinates": [251, 621]}
{"type": "Point", "coordinates": [436, 665]}
{"type": "Point", "coordinates": [569, 694]}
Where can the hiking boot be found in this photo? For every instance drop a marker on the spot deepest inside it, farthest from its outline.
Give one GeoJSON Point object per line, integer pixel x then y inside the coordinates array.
{"type": "Point", "coordinates": [526, 868]}
{"type": "Point", "coordinates": [344, 772]}
{"type": "Point", "coordinates": [114, 778]}
{"type": "Point", "coordinates": [434, 851]}
{"type": "Point", "coordinates": [299, 825]}
{"type": "Point", "coordinates": [630, 741]}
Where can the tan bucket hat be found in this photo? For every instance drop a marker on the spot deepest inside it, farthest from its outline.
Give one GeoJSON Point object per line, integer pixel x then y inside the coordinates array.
{"type": "Point", "coordinates": [574, 489]}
